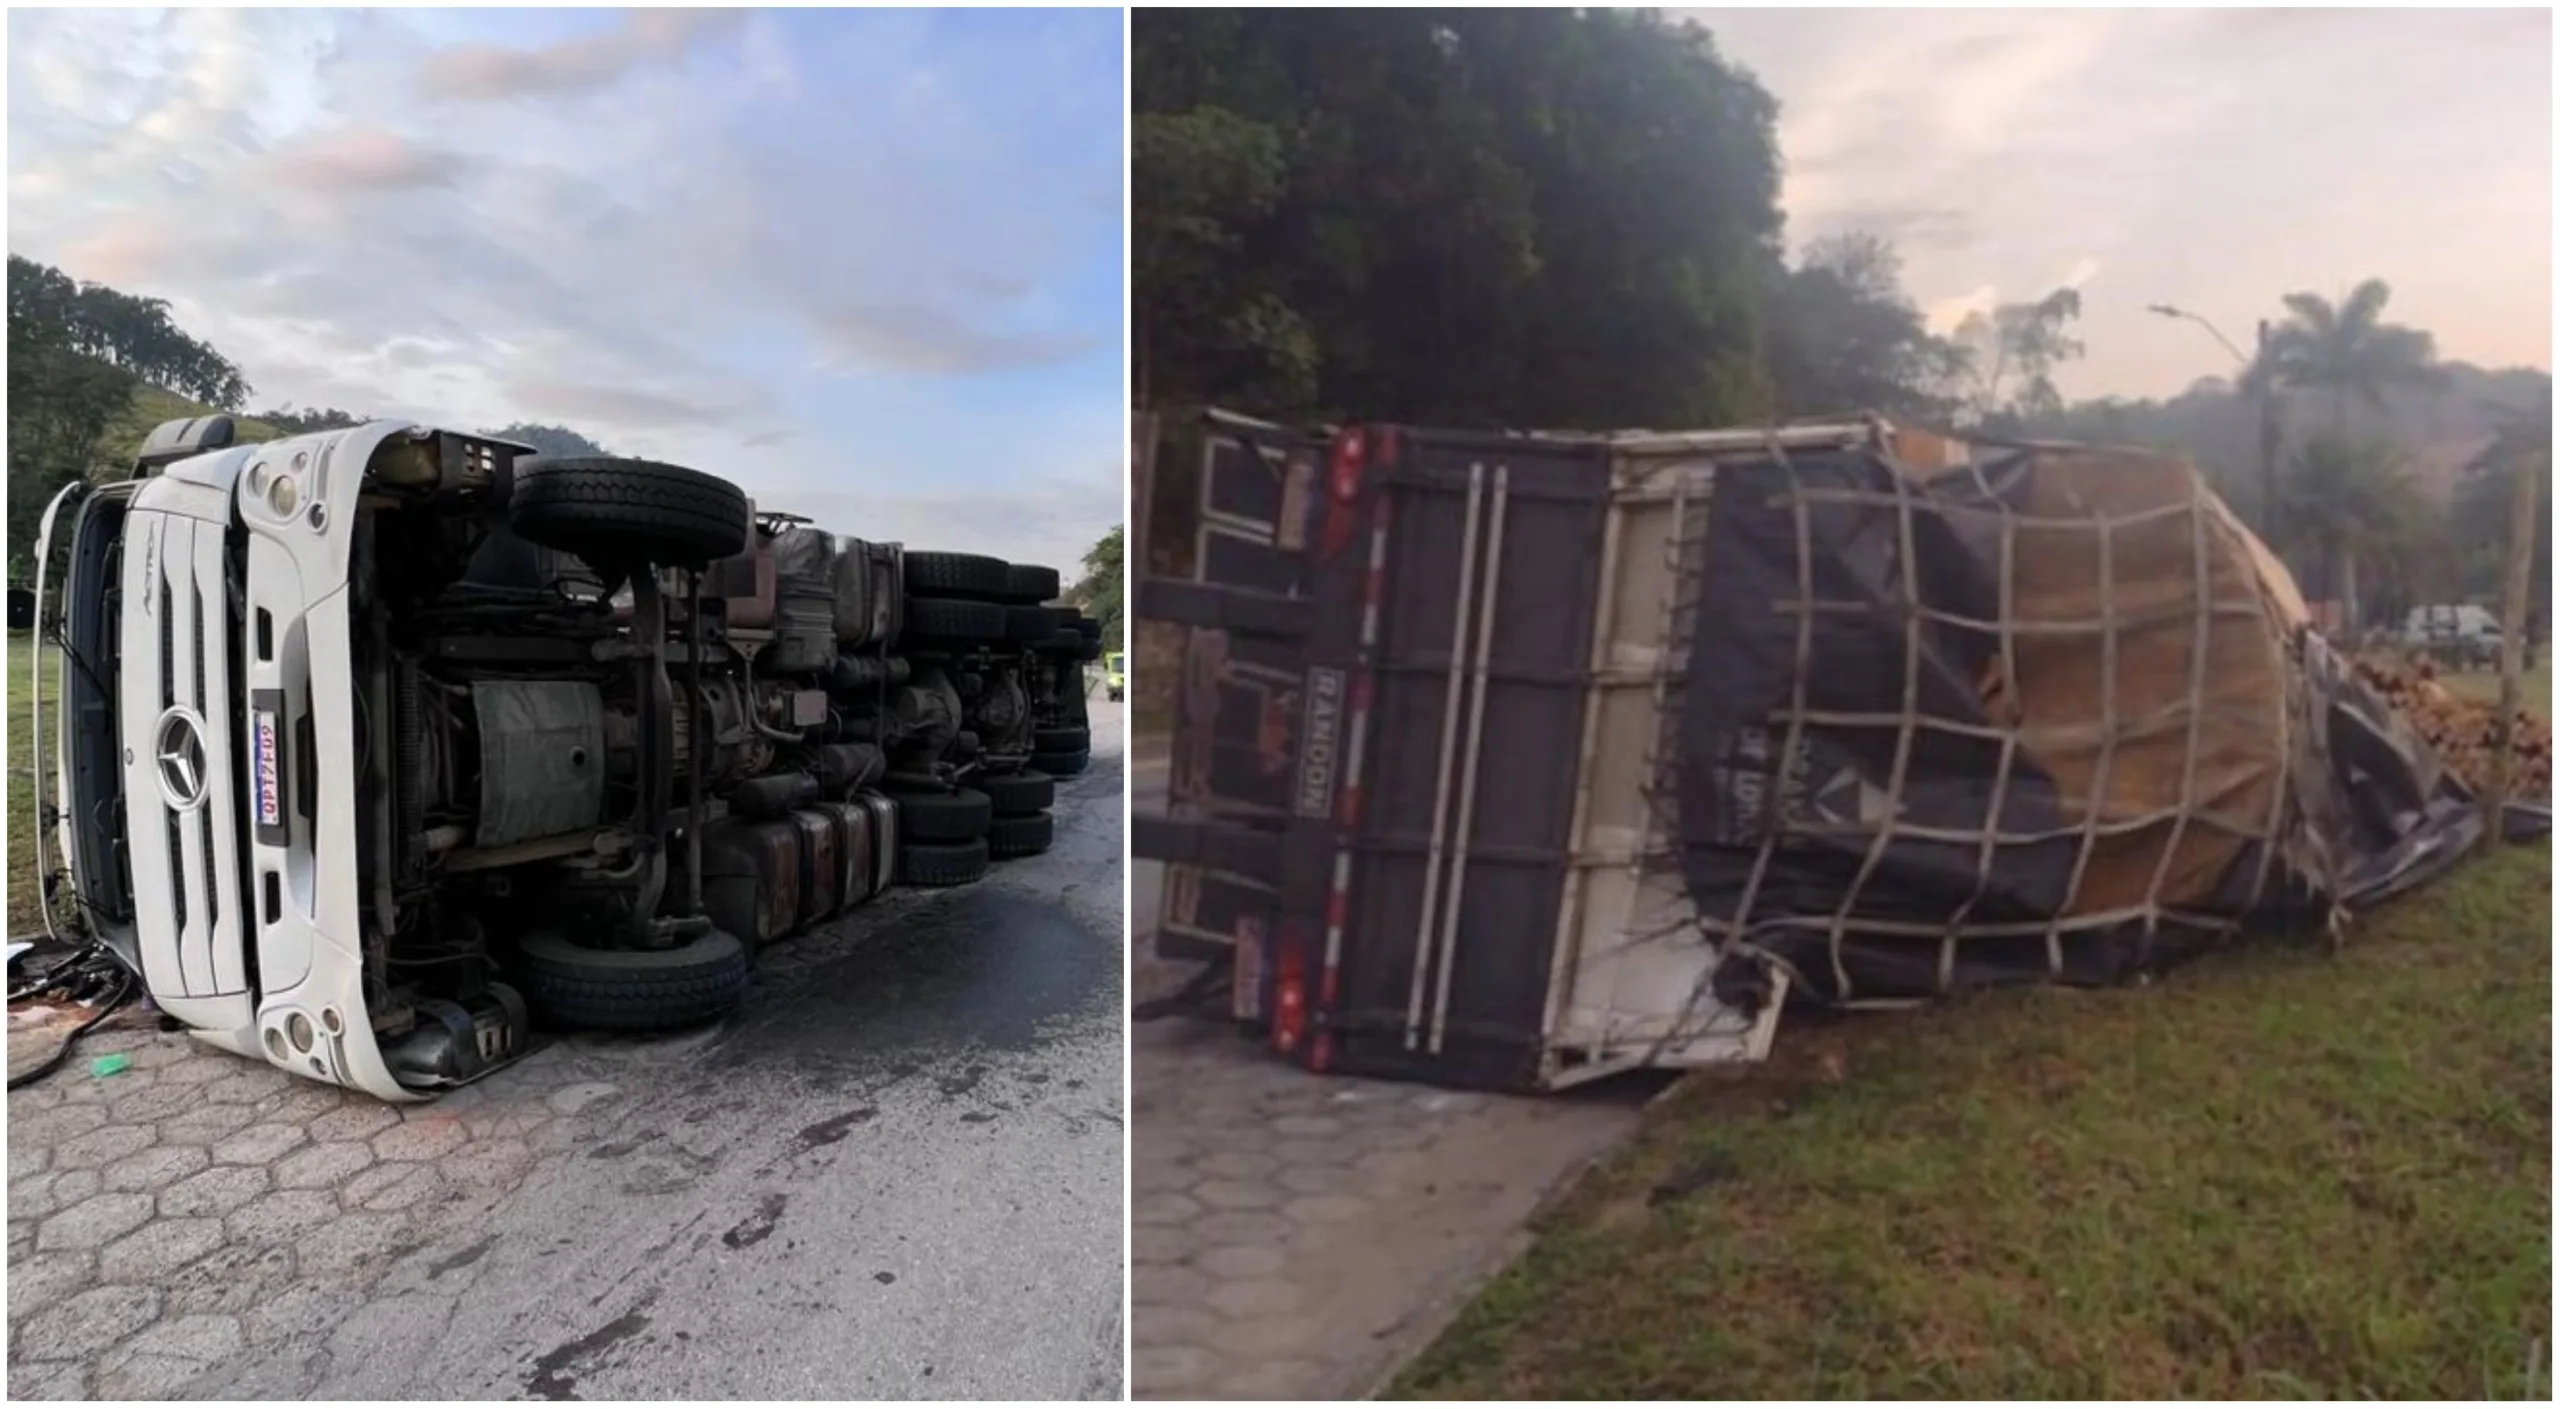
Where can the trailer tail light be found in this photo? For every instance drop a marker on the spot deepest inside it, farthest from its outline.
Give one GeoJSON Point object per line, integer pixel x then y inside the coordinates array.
{"type": "Point", "coordinates": [1289, 996]}
{"type": "Point", "coordinates": [1343, 483]}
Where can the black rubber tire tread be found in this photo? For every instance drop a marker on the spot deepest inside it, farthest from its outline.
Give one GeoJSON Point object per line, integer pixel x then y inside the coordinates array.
{"type": "Point", "coordinates": [954, 619]}
{"type": "Point", "coordinates": [1028, 624]}
{"type": "Point", "coordinates": [971, 575]}
{"type": "Point", "coordinates": [604, 508]}
{"type": "Point", "coordinates": [1061, 765]}
{"type": "Point", "coordinates": [944, 817]}
{"type": "Point", "coordinates": [1090, 628]}
{"type": "Point", "coordinates": [1019, 794]}
{"type": "Point", "coordinates": [1013, 838]}
{"type": "Point", "coordinates": [1030, 583]}
{"type": "Point", "coordinates": [1061, 740]}
{"type": "Point", "coordinates": [942, 863]}
{"type": "Point", "coordinates": [634, 990]}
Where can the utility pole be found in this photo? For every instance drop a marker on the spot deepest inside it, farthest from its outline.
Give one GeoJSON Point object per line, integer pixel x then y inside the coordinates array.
{"type": "Point", "coordinates": [2523, 530]}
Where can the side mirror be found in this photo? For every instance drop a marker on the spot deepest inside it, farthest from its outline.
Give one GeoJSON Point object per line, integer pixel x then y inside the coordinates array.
{"type": "Point", "coordinates": [182, 440]}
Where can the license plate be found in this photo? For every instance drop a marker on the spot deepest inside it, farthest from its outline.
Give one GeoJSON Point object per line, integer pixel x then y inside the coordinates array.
{"type": "Point", "coordinates": [269, 770]}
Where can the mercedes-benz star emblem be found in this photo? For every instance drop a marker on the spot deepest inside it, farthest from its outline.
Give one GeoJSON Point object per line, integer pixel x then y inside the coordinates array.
{"type": "Point", "coordinates": [179, 747]}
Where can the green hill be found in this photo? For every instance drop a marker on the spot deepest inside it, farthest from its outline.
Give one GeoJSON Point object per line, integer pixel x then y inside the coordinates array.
{"type": "Point", "coordinates": [151, 406]}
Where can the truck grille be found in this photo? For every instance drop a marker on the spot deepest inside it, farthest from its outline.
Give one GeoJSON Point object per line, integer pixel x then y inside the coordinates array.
{"type": "Point", "coordinates": [185, 710]}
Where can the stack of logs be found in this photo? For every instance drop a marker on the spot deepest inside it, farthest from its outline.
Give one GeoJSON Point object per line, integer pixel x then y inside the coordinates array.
{"type": "Point", "coordinates": [2463, 731]}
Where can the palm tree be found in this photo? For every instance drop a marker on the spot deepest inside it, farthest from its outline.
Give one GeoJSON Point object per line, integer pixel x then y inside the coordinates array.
{"type": "Point", "coordinates": [2344, 350]}
{"type": "Point", "coordinates": [2349, 502]}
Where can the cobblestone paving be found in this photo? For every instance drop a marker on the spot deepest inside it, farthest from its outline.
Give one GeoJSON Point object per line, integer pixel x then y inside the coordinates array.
{"type": "Point", "coordinates": [1299, 1237]}
{"type": "Point", "coordinates": [198, 1209]}
{"type": "Point", "coordinates": [911, 1135]}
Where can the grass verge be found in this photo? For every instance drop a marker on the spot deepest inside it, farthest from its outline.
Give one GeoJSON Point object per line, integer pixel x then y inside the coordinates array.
{"type": "Point", "coordinates": [26, 914]}
{"type": "Point", "coordinates": [2275, 1173]}
{"type": "Point", "coordinates": [2483, 686]}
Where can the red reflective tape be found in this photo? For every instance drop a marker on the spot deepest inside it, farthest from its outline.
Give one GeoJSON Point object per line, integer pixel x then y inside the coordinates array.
{"type": "Point", "coordinates": [1347, 800]}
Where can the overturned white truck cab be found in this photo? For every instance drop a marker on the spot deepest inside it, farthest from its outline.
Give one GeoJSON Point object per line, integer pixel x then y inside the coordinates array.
{"type": "Point", "coordinates": [380, 749]}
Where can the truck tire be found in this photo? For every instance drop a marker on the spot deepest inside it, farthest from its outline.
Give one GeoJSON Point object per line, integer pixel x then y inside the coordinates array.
{"type": "Point", "coordinates": [1090, 628]}
{"type": "Point", "coordinates": [1061, 765]}
{"type": "Point", "coordinates": [954, 619]}
{"type": "Point", "coordinates": [968, 575]}
{"type": "Point", "coordinates": [1028, 583]}
{"type": "Point", "coordinates": [634, 990]}
{"type": "Point", "coordinates": [1013, 838]}
{"type": "Point", "coordinates": [1062, 741]}
{"type": "Point", "coordinates": [1090, 651]}
{"type": "Point", "coordinates": [944, 817]}
{"type": "Point", "coordinates": [1029, 624]}
{"type": "Point", "coordinates": [1065, 641]}
{"type": "Point", "coordinates": [942, 863]}
{"type": "Point", "coordinates": [1020, 794]}
{"type": "Point", "coordinates": [609, 510]}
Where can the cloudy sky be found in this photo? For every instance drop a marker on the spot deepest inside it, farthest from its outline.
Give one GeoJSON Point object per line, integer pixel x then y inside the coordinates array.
{"type": "Point", "coordinates": [866, 264]}
{"type": "Point", "coordinates": [2215, 159]}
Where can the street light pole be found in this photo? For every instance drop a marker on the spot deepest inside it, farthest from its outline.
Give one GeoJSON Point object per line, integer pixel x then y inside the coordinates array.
{"type": "Point", "coordinates": [2172, 311]}
{"type": "Point", "coordinates": [2269, 432]}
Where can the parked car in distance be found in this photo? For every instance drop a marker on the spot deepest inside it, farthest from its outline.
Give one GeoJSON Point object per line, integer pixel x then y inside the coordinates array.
{"type": "Point", "coordinates": [2459, 634]}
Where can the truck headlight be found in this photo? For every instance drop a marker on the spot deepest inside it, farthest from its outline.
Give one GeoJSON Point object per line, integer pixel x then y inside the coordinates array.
{"type": "Point", "coordinates": [283, 496]}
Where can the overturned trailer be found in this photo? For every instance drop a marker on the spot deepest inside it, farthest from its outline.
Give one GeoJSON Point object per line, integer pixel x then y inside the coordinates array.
{"type": "Point", "coordinates": [1512, 761]}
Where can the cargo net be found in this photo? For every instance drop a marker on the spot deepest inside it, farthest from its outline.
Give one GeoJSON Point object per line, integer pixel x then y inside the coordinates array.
{"type": "Point", "coordinates": [2051, 716]}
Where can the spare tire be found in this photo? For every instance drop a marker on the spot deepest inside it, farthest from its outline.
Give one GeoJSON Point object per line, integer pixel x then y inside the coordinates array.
{"type": "Point", "coordinates": [954, 619]}
{"type": "Point", "coordinates": [1028, 583]}
{"type": "Point", "coordinates": [634, 990]}
{"type": "Point", "coordinates": [624, 513]}
{"type": "Point", "coordinates": [959, 575]}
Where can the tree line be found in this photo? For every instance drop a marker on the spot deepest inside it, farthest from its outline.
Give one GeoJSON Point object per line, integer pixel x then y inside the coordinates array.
{"type": "Point", "coordinates": [1562, 219]}
{"type": "Point", "coordinates": [77, 352]}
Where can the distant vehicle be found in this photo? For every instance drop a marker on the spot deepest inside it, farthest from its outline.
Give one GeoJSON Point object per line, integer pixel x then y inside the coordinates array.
{"type": "Point", "coordinates": [2457, 633]}
{"type": "Point", "coordinates": [1115, 675]}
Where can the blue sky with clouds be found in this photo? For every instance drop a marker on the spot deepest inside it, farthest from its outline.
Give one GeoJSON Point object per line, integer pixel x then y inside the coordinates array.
{"type": "Point", "coordinates": [868, 264]}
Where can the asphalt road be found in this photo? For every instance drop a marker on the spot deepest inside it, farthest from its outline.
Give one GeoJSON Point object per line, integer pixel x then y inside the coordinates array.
{"type": "Point", "coordinates": [896, 1173]}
